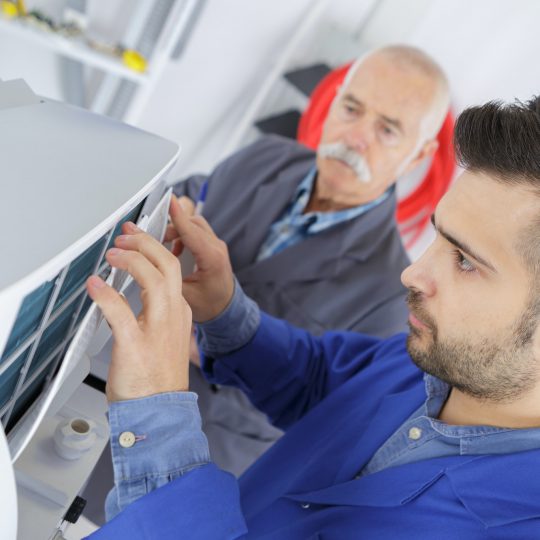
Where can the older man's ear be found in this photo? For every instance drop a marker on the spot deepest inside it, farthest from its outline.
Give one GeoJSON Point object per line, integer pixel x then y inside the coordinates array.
{"type": "Point", "coordinates": [427, 150]}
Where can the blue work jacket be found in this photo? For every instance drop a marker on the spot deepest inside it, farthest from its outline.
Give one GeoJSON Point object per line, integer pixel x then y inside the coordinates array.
{"type": "Point", "coordinates": [339, 397]}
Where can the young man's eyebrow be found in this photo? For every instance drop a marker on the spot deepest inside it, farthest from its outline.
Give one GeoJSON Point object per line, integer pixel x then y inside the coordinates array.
{"type": "Point", "coordinates": [461, 245]}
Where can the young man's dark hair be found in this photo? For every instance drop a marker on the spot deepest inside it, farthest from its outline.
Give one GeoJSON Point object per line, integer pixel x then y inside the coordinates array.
{"type": "Point", "coordinates": [502, 140]}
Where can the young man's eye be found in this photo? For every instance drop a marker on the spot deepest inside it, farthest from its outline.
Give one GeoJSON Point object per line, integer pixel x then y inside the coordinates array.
{"type": "Point", "coordinates": [463, 264]}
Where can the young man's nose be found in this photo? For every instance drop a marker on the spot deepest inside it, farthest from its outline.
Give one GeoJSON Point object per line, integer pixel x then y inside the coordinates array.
{"type": "Point", "coordinates": [419, 276]}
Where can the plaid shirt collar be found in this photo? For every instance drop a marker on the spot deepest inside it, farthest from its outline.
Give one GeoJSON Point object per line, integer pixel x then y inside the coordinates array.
{"type": "Point", "coordinates": [294, 226]}
{"type": "Point", "coordinates": [320, 221]}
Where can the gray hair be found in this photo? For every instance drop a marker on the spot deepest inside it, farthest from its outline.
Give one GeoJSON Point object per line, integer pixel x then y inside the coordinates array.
{"type": "Point", "coordinates": [414, 59]}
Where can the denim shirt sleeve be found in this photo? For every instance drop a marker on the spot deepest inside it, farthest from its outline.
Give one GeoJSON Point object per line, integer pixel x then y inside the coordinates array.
{"type": "Point", "coordinates": [168, 443]}
{"type": "Point", "coordinates": [232, 328]}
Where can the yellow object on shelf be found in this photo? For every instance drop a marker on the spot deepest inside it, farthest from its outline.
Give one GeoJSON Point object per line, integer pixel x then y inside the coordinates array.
{"type": "Point", "coordinates": [134, 60]}
{"type": "Point", "coordinates": [9, 9]}
{"type": "Point", "coordinates": [21, 7]}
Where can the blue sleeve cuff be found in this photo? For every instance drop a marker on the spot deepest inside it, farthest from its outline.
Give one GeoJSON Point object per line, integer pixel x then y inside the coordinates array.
{"type": "Point", "coordinates": [231, 329]}
{"type": "Point", "coordinates": [169, 440]}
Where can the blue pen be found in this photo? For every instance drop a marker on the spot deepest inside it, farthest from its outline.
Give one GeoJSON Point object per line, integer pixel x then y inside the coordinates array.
{"type": "Point", "coordinates": [201, 199]}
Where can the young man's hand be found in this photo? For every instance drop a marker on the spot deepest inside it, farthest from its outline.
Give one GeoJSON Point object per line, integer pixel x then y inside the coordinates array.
{"type": "Point", "coordinates": [150, 352]}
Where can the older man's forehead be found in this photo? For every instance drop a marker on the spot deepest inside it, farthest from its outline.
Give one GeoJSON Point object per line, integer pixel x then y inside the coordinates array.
{"type": "Point", "coordinates": [391, 92]}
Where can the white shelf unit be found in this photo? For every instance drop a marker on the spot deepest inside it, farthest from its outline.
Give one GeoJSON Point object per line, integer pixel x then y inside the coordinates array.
{"type": "Point", "coordinates": [156, 29]}
{"type": "Point", "coordinates": [47, 483]}
{"type": "Point", "coordinates": [70, 48]}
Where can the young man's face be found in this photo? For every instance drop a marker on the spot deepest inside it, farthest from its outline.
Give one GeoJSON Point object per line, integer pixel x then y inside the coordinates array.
{"type": "Point", "coordinates": [472, 298]}
{"type": "Point", "coordinates": [379, 118]}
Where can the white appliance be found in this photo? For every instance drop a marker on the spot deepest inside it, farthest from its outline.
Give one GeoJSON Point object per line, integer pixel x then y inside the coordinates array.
{"type": "Point", "coordinates": [69, 179]}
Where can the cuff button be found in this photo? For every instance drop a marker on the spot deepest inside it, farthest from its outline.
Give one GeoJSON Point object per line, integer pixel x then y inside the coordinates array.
{"type": "Point", "coordinates": [126, 439]}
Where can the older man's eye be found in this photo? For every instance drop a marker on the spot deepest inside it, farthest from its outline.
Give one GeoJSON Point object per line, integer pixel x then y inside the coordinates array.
{"type": "Point", "coordinates": [349, 110]}
{"type": "Point", "coordinates": [388, 134]}
{"type": "Point", "coordinates": [463, 264]}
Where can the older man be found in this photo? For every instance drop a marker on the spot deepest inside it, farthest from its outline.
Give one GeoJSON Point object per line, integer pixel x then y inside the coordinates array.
{"type": "Point", "coordinates": [431, 435]}
{"type": "Point", "coordinates": [312, 238]}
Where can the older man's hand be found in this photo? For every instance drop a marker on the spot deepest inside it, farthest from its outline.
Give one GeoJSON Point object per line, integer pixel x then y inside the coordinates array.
{"type": "Point", "coordinates": [150, 352]}
{"type": "Point", "coordinates": [209, 289]}
{"type": "Point", "coordinates": [171, 234]}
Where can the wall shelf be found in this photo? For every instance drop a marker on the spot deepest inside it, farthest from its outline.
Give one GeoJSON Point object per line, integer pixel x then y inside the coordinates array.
{"type": "Point", "coordinates": [157, 29]}
{"type": "Point", "coordinates": [73, 48]}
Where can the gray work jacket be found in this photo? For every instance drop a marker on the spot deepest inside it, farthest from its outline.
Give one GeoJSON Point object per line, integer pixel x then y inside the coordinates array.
{"type": "Point", "coordinates": [346, 277]}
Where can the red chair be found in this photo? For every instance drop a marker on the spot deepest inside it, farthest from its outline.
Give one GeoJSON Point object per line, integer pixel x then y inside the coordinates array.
{"type": "Point", "coordinates": [413, 211]}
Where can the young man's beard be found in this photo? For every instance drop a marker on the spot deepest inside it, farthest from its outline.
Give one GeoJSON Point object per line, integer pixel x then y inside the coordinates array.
{"type": "Point", "coordinates": [499, 370]}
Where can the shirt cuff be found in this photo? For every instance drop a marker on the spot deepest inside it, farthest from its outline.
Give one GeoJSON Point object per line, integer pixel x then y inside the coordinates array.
{"type": "Point", "coordinates": [159, 435]}
{"type": "Point", "coordinates": [232, 328]}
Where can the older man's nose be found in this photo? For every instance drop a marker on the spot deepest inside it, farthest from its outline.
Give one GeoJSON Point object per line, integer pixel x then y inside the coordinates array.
{"type": "Point", "coordinates": [357, 138]}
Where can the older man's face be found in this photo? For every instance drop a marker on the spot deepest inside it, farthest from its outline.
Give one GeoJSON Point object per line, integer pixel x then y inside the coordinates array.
{"type": "Point", "coordinates": [373, 132]}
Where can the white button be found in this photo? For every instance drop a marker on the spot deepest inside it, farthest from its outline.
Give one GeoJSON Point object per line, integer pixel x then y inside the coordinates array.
{"type": "Point", "coordinates": [126, 439]}
{"type": "Point", "coordinates": [415, 433]}
{"type": "Point", "coordinates": [305, 506]}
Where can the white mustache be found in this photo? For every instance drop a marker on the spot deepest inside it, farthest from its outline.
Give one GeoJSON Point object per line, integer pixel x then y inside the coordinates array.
{"type": "Point", "coordinates": [349, 156]}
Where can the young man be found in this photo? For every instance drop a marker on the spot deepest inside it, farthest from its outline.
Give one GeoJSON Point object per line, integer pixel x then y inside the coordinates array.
{"type": "Point", "coordinates": [431, 435]}
{"type": "Point", "coordinates": [312, 237]}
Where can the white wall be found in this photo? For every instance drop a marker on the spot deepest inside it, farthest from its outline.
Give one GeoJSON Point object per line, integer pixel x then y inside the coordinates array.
{"type": "Point", "coordinates": [201, 98]}
{"type": "Point", "coordinates": [489, 48]}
